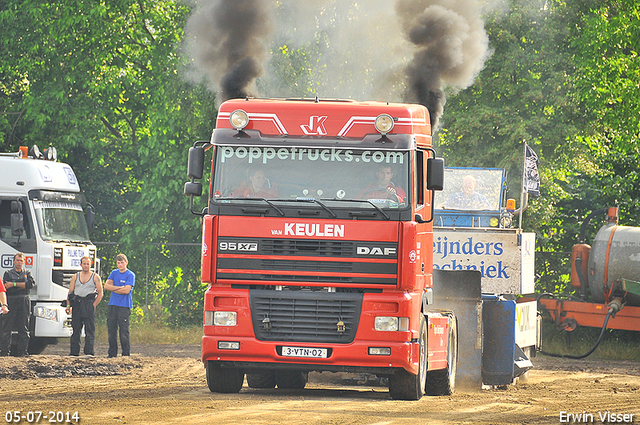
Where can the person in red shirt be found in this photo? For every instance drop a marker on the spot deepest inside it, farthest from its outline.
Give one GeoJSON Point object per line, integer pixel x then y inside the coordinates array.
{"type": "Point", "coordinates": [258, 186]}
{"type": "Point", "coordinates": [4, 308]}
{"type": "Point", "coordinates": [384, 188]}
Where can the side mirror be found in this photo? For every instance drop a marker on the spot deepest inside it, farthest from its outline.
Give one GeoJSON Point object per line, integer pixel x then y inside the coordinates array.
{"type": "Point", "coordinates": [193, 189]}
{"type": "Point", "coordinates": [17, 219]}
{"type": "Point", "coordinates": [435, 174]}
{"type": "Point", "coordinates": [195, 166]}
{"type": "Point", "coordinates": [91, 216]}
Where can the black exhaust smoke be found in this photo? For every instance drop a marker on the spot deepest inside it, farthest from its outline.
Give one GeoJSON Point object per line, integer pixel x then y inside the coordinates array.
{"type": "Point", "coordinates": [230, 40]}
{"type": "Point", "coordinates": [451, 47]}
{"type": "Point", "coordinates": [227, 41]}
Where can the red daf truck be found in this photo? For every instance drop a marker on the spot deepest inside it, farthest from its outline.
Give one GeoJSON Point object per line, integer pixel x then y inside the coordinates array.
{"type": "Point", "coordinates": [317, 246]}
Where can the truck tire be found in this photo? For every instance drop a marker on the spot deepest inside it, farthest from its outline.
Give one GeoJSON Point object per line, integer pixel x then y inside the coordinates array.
{"type": "Point", "coordinates": [223, 380]}
{"type": "Point", "coordinates": [37, 345]}
{"type": "Point", "coordinates": [291, 379]}
{"type": "Point", "coordinates": [405, 386]}
{"type": "Point", "coordinates": [261, 379]}
{"type": "Point", "coordinates": [442, 382]}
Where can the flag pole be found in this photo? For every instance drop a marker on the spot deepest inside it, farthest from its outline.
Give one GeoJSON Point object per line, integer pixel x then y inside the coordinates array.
{"type": "Point", "coordinates": [522, 192]}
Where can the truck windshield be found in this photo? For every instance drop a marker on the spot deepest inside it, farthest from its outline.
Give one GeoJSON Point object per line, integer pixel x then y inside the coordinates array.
{"type": "Point", "coordinates": [61, 221]}
{"type": "Point", "coordinates": [295, 173]}
{"type": "Point", "coordinates": [471, 189]}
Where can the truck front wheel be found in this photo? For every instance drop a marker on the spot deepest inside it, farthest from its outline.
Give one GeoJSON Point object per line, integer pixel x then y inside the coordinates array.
{"type": "Point", "coordinates": [291, 379]}
{"type": "Point", "coordinates": [405, 386]}
{"type": "Point", "coordinates": [261, 379]}
{"type": "Point", "coordinates": [37, 344]}
{"type": "Point", "coordinates": [223, 380]}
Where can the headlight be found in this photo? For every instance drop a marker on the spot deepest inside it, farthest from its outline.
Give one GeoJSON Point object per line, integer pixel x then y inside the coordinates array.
{"type": "Point", "coordinates": [384, 123]}
{"type": "Point", "coordinates": [46, 313]}
{"type": "Point", "coordinates": [221, 318]}
{"type": "Point", "coordinates": [384, 323]}
{"type": "Point", "coordinates": [239, 119]}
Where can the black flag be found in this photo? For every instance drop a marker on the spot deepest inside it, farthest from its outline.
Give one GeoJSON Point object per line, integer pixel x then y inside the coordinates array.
{"type": "Point", "coordinates": [531, 176]}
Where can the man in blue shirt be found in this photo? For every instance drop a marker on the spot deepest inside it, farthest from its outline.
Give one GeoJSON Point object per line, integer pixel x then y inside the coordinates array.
{"type": "Point", "coordinates": [120, 282]}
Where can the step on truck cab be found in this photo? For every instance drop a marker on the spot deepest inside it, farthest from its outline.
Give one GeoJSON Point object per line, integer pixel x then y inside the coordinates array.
{"type": "Point", "coordinates": [41, 215]}
{"type": "Point", "coordinates": [316, 246]}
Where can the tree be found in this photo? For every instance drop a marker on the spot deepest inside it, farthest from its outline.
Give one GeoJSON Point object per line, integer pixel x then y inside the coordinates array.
{"type": "Point", "coordinates": [103, 82]}
{"type": "Point", "coordinates": [606, 45]}
{"type": "Point", "coordinates": [525, 93]}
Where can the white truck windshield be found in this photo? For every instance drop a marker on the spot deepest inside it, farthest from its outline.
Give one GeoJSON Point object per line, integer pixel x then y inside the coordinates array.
{"type": "Point", "coordinates": [321, 173]}
{"type": "Point", "coordinates": [61, 221]}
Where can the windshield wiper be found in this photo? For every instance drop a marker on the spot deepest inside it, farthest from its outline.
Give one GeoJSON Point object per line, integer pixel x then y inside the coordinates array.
{"type": "Point", "coordinates": [271, 204]}
{"type": "Point", "coordinates": [362, 200]}
{"type": "Point", "coordinates": [326, 208]}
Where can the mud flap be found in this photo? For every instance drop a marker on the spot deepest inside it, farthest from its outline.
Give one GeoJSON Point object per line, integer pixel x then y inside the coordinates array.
{"type": "Point", "coordinates": [460, 292]}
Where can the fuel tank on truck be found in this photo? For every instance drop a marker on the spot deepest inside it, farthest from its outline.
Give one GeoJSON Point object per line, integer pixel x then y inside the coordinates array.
{"type": "Point", "coordinates": [615, 254]}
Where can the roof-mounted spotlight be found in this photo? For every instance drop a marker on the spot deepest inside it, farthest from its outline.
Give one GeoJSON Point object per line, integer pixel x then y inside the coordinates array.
{"type": "Point", "coordinates": [384, 123]}
{"type": "Point", "coordinates": [239, 119]}
{"type": "Point", "coordinates": [35, 152]}
{"type": "Point", "coordinates": [50, 154]}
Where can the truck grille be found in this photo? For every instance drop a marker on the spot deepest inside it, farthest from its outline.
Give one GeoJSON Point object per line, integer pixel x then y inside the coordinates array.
{"type": "Point", "coordinates": [299, 316]}
{"type": "Point", "coordinates": [304, 262]}
{"type": "Point", "coordinates": [62, 277]}
{"type": "Point", "coordinates": [319, 248]}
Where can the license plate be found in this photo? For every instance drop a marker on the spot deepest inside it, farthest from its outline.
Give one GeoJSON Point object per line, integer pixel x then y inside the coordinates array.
{"type": "Point", "coordinates": [316, 353]}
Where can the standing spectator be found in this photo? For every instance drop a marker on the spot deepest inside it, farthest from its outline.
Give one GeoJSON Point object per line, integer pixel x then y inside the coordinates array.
{"type": "Point", "coordinates": [85, 293]}
{"type": "Point", "coordinates": [120, 282]}
{"type": "Point", "coordinates": [4, 308]}
{"type": "Point", "coordinates": [18, 282]}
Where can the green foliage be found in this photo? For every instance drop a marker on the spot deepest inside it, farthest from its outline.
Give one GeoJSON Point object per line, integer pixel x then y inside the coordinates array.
{"type": "Point", "coordinates": [181, 298]}
{"type": "Point", "coordinates": [102, 81]}
{"type": "Point", "coordinates": [609, 85]}
{"type": "Point", "coordinates": [168, 289]}
{"type": "Point", "coordinates": [565, 78]}
{"type": "Point", "coordinates": [520, 95]}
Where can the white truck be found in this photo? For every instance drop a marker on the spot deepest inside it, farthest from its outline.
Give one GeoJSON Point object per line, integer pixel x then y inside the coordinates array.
{"type": "Point", "coordinates": [42, 216]}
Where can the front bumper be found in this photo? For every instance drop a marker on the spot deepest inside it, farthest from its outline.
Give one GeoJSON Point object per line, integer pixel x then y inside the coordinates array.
{"type": "Point", "coordinates": [353, 357]}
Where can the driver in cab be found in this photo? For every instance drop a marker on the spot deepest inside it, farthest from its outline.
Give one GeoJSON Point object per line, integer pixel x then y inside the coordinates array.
{"type": "Point", "coordinates": [257, 186]}
{"type": "Point", "coordinates": [384, 188]}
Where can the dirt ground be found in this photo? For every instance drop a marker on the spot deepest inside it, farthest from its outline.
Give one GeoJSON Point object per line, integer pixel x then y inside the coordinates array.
{"type": "Point", "coordinates": [165, 384]}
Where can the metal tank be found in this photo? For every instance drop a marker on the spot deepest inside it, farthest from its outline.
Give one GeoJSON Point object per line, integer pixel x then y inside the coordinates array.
{"type": "Point", "coordinates": [615, 254]}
